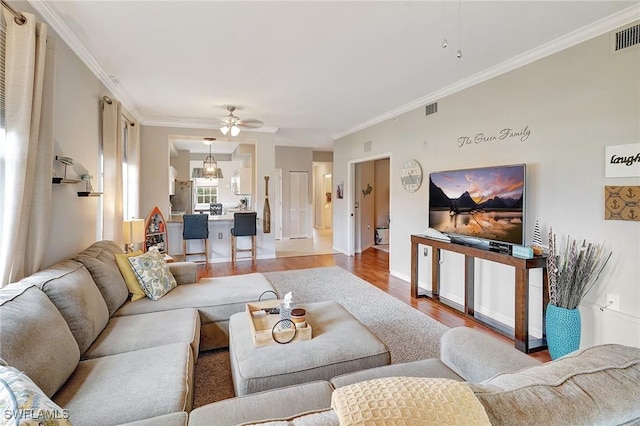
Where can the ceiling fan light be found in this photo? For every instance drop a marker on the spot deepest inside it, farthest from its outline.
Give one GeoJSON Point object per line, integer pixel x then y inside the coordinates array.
{"type": "Point", "coordinates": [225, 129]}
{"type": "Point", "coordinates": [235, 130]}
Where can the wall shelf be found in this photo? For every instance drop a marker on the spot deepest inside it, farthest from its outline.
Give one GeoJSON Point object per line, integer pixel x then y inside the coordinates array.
{"type": "Point", "coordinates": [66, 161]}
{"type": "Point", "coordinates": [58, 180]}
{"type": "Point", "coordinates": [89, 194]}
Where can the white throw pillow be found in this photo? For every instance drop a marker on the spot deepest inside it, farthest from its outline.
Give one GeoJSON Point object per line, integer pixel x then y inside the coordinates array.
{"type": "Point", "coordinates": [24, 403]}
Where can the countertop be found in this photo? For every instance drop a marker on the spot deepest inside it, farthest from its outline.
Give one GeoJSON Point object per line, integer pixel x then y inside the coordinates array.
{"type": "Point", "coordinates": [212, 218]}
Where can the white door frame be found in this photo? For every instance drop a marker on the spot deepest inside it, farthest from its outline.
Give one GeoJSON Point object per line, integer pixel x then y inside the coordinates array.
{"type": "Point", "coordinates": [351, 196]}
{"type": "Point", "coordinates": [278, 206]}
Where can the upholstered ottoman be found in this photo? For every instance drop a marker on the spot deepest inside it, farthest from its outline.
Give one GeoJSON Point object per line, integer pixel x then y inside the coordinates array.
{"type": "Point", "coordinates": [340, 344]}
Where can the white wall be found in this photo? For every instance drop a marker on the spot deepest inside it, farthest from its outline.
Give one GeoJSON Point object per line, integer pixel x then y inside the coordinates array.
{"type": "Point", "coordinates": [182, 164]}
{"type": "Point", "coordinates": [575, 103]}
{"type": "Point", "coordinates": [73, 220]}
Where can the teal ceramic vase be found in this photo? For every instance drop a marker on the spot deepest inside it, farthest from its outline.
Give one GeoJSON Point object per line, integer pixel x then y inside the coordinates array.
{"type": "Point", "coordinates": [563, 330]}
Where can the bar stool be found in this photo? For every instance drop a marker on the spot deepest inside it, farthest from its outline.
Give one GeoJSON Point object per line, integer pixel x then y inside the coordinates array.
{"type": "Point", "coordinates": [196, 227]}
{"type": "Point", "coordinates": [244, 225]}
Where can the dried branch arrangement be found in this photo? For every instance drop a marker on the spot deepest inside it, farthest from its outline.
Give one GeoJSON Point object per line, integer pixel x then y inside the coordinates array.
{"type": "Point", "coordinates": [574, 268]}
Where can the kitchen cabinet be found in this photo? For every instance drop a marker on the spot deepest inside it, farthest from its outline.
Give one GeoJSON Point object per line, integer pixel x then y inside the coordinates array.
{"type": "Point", "coordinates": [241, 181]}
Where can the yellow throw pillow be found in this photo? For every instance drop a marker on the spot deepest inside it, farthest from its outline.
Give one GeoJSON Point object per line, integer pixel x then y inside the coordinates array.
{"type": "Point", "coordinates": [406, 401]}
{"type": "Point", "coordinates": [129, 276]}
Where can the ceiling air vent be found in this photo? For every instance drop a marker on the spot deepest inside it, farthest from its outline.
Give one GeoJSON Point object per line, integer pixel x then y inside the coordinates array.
{"type": "Point", "coordinates": [625, 38]}
{"type": "Point", "coordinates": [431, 108]}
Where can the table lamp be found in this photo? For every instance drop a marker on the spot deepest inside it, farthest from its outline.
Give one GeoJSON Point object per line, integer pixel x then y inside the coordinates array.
{"type": "Point", "coordinates": [133, 233]}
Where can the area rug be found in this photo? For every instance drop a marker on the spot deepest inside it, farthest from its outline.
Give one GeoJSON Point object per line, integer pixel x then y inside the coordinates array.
{"type": "Point", "coordinates": [408, 333]}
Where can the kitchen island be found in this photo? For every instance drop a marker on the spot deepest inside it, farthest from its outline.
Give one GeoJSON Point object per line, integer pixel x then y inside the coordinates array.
{"type": "Point", "coordinates": [219, 239]}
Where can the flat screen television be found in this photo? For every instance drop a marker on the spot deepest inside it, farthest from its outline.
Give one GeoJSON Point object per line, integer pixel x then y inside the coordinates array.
{"type": "Point", "coordinates": [484, 203]}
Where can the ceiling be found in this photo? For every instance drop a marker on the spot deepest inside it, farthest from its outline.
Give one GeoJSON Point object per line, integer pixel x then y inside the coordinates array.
{"type": "Point", "coordinates": [311, 71]}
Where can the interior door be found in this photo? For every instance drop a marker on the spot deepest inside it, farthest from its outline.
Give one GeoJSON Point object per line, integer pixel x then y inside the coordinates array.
{"type": "Point", "coordinates": [298, 204]}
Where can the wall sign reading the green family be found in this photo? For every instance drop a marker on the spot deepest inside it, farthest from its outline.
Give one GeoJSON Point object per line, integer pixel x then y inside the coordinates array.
{"type": "Point", "coordinates": [506, 134]}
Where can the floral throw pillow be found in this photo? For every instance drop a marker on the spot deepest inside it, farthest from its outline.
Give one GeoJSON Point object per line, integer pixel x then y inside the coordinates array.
{"type": "Point", "coordinates": [153, 274]}
{"type": "Point", "coordinates": [22, 402]}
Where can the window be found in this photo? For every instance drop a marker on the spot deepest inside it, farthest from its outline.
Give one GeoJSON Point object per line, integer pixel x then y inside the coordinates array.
{"type": "Point", "coordinates": [206, 194]}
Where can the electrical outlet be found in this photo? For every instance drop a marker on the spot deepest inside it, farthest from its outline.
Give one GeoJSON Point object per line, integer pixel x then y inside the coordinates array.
{"type": "Point", "coordinates": [426, 251]}
{"type": "Point", "coordinates": [219, 235]}
{"type": "Point", "coordinates": [613, 302]}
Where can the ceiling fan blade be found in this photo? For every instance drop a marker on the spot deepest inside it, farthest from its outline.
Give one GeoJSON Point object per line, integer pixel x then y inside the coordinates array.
{"type": "Point", "coordinates": [250, 124]}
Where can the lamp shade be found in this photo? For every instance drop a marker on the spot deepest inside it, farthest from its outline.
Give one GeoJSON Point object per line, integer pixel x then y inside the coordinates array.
{"type": "Point", "coordinates": [133, 231]}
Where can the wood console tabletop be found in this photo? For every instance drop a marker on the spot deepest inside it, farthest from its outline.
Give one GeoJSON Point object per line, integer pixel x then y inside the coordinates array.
{"type": "Point", "coordinates": [520, 333]}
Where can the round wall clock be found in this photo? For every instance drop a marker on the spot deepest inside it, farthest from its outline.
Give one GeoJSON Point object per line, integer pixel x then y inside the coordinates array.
{"type": "Point", "coordinates": [411, 175]}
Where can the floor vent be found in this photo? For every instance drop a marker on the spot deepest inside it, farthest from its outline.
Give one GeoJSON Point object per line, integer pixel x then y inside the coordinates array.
{"type": "Point", "coordinates": [625, 38]}
{"type": "Point", "coordinates": [431, 108]}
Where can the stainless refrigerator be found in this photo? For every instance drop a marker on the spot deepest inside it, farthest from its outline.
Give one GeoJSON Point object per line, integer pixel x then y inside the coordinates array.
{"type": "Point", "coordinates": [183, 200]}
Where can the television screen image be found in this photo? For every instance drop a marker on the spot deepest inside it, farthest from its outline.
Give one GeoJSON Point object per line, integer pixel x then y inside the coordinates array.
{"type": "Point", "coordinates": [485, 203]}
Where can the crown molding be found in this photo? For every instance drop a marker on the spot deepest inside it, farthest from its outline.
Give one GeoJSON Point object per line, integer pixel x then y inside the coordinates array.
{"type": "Point", "coordinates": [199, 125]}
{"type": "Point", "coordinates": [53, 18]}
{"type": "Point", "coordinates": [585, 33]}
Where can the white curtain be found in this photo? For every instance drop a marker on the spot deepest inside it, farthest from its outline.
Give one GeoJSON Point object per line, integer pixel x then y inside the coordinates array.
{"type": "Point", "coordinates": [133, 165]}
{"type": "Point", "coordinates": [112, 174]}
{"type": "Point", "coordinates": [27, 154]}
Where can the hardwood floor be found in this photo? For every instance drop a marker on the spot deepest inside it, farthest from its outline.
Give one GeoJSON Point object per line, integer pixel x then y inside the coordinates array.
{"type": "Point", "coordinates": [373, 267]}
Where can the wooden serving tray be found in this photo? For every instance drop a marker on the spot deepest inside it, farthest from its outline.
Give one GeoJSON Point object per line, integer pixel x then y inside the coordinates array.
{"type": "Point", "coordinates": [261, 326]}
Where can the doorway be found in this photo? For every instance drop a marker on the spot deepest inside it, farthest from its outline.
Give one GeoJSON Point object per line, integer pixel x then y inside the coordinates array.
{"type": "Point", "coordinates": [369, 189]}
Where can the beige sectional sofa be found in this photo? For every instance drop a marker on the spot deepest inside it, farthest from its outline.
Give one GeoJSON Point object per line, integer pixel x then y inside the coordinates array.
{"type": "Point", "coordinates": [105, 360]}
{"type": "Point", "coordinates": [594, 386]}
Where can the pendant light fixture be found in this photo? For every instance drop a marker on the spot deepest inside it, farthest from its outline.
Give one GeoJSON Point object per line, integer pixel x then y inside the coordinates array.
{"type": "Point", "coordinates": [445, 42]}
{"type": "Point", "coordinates": [459, 52]}
{"type": "Point", "coordinates": [210, 169]}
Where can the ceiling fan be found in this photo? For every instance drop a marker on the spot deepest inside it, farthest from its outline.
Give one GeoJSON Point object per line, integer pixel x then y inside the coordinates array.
{"type": "Point", "coordinates": [232, 123]}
